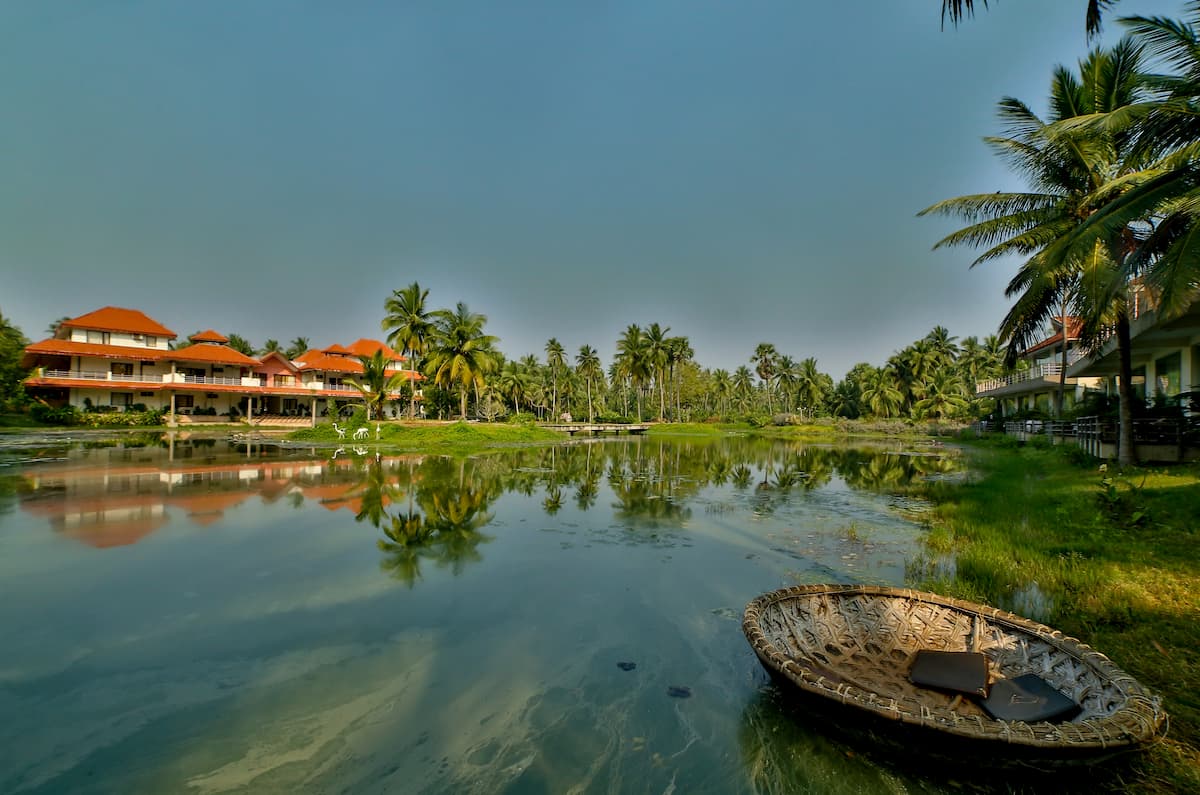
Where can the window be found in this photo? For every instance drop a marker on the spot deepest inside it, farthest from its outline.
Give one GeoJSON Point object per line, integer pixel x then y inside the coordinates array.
{"type": "Point", "coordinates": [151, 342]}
{"type": "Point", "coordinates": [98, 337]}
{"type": "Point", "coordinates": [147, 394]}
{"type": "Point", "coordinates": [121, 399]}
{"type": "Point", "coordinates": [122, 368]}
{"type": "Point", "coordinates": [184, 401]}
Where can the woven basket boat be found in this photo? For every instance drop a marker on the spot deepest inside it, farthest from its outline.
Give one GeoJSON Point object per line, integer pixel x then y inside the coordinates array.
{"type": "Point", "coordinates": [852, 646]}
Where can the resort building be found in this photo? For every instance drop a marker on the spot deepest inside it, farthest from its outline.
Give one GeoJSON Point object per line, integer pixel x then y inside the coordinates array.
{"type": "Point", "coordinates": [115, 359]}
{"type": "Point", "coordinates": [1034, 385]}
{"type": "Point", "coordinates": [1165, 355]}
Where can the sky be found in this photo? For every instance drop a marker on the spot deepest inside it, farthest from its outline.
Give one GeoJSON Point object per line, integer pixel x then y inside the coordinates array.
{"type": "Point", "coordinates": [740, 172]}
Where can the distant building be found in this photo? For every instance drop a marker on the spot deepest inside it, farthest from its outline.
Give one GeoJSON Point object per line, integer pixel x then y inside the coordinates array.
{"type": "Point", "coordinates": [114, 359]}
{"type": "Point", "coordinates": [1034, 385]}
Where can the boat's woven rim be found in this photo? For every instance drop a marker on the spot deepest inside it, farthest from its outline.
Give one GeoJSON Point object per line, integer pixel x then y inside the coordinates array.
{"type": "Point", "coordinates": [1139, 721]}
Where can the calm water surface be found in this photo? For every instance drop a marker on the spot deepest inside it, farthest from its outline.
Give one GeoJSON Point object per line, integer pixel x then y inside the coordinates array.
{"type": "Point", "coordinates": [196, 617]}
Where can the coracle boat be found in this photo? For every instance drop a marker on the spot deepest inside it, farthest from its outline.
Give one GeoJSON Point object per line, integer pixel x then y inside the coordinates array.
{"type": "Point", "coordinates": [861, 651]}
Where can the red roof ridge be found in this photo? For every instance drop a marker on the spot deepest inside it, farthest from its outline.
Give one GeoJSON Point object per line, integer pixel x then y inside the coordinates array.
{"type": "Point", "coordinates": [209, 336]}
{"type": "Point", "coordinates": [115, 318]}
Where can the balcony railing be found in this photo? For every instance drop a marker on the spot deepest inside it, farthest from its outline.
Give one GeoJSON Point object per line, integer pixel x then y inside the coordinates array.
{"type": "Point", "coordinates": [100, 375]}
{"type": "Point", "coordinates": [1035, 373]}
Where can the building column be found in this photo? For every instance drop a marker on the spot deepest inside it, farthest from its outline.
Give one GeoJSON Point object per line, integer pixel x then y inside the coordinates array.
{"type": "Point", "coordinates": [173, 420]}
{"type": "Point", "coordinates": [312, 415]}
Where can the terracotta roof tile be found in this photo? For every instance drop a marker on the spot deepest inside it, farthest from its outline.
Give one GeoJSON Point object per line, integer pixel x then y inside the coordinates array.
{"type": "Point", "coordinates": [208, 352]}
{"type": "Point", "coordinates": [319, 360]}
{"type": "Point", "coordinates": [367, 347]}
{"type": "Point", "coordinates": [209, 336]}
{"type": "Point", "coordinates": [55, 347]}
{"type": "Point", "coordinates": [335, 348]}
{"type": "Point", "coordinates": [114, 318]}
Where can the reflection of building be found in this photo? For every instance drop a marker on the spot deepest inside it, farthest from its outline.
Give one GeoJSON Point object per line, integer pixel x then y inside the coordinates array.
{"type": "Point", "coordinates": [114, 359]}
{"type": "Point", "coordinates": [104, 500]}
{"type": "Point", "coordinates": [1034, 385]}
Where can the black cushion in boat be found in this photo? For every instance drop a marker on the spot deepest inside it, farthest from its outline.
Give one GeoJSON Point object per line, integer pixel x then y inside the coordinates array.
{"type": "Point", "coordinates": [1028, 698]}
{"type": "Point", "coordinates": [958, 671]}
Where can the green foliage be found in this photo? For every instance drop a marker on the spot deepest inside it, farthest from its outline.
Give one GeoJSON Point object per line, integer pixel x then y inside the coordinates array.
{"type": "Point", "coordinates": [54, 415]}
{"type": "Point", "coordinates": [12, 348]}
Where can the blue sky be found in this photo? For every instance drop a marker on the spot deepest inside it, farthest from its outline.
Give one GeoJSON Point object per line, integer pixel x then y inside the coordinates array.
{"type": "Point", "coordinates": [740, 172]}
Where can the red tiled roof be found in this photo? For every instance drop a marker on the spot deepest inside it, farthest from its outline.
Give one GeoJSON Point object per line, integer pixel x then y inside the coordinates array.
{"type": "Point", "coordinates": [55, 347]}
{"type": "Point", "coordinates": [1074, 326]}
{"type": "Point", "coordinates": [209, 336]}
{"type": "Point", "coordinates": [208, 352]}
{"type": "Point", "coordinates": [281, 357]}
{"type": "Point", "coordinates": [320, 360]}
{"type": "Point", "coordinates": [335, 348]}
{"type": "Point", "coordinates": [114, 318]}
{"type": "Point", "coordinates": [366, 347]}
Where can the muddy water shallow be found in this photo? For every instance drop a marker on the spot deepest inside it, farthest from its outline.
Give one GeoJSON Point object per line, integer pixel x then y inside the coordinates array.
{"type": "Point", "coordinates": [193, 616]}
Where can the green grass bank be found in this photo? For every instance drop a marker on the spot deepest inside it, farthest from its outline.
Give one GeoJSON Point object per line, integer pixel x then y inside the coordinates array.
{"type": "Point", "coordinates": [1107, 556]}
{"type": "Point", "coordinates": [434, 438]}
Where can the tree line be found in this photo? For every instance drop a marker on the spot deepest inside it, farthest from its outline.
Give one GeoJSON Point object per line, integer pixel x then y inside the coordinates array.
{"type": "Point", "coordinates": [654, 375]}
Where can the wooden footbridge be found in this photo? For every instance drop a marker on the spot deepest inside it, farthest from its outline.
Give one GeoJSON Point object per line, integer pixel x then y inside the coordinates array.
{"type": "Point", "coordinates": [598, 428]}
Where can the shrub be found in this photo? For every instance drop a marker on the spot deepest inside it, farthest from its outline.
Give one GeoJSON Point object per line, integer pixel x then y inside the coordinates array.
{"type": "Point", "coordinates": [51, 415]}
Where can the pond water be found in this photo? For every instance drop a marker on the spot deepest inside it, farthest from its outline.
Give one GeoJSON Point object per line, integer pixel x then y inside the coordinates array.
{"type": "Point", "coordinates": [193, 616]}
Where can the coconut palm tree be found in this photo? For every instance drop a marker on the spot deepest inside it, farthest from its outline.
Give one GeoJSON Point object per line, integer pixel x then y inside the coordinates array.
{"type": "Point", "coordinates": [955, 10]}
{"type": "Point", "coordinates": [460, 353]}
{"type": "Point", "coordinates": [786, 374]}
{"type": "Point", "coordinates": [881, 394]}
{"type": "Point", "coordinates": [658, 358]}
{"type": "Point", "coordinates": [810, 386]}
{"type": "Point", "coordinates": [765, 361]}
{"type": "Point", "coordinates": [409, 325]}
{"type": "Point", "coordinates": [297, 348]}
{"type": "Point", "coordinates": [513, 383]}
{"type": "Point", "coordinates": [945, 397]}
{"type": "Point", "coordinates": [587, 364]}
{"type": "Point", "coordinates": [743, 386]}
{"type": "Point", "coordinates": [270, 346]}
{"type": "Point", "coordinates": [679, 351]}
{"type": "Point", "coordinates": [722, 387]}
{"type": "Point", "coordinates": [633, 361]}
{"type": "Point", "coordinates": [376, 384]}
{"type": "Point", "coordinates": [1065, 167]}
{"type": "Point", "coordinates": [53, 328]}
{"type": "Point", "coordinates": [556, 360]}
{"type": "Point", "coordinates": [241, 344]}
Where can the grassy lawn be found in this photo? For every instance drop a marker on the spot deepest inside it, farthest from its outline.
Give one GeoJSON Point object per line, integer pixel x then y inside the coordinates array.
{"type": "Point", "coordinates": [1108, 557]}
{"type": "Point", "coordinates": [436, 437]}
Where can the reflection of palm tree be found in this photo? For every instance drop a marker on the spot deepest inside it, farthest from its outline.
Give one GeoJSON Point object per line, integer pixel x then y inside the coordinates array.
{"type": "Point", "coordinates": [553, 502]}
{"type": "Point", "coordinates": [741, 476]}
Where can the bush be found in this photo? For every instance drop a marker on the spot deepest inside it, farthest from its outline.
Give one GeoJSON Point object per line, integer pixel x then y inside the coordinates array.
{"type": "Point", "coordinates": [51, 415]}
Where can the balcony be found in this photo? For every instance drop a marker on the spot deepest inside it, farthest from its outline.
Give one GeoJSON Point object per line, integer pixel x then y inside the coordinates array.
{"type": "Point", "coordinates": [1040, 372]}
{"type": "Point", "coordinates": [98, 375]}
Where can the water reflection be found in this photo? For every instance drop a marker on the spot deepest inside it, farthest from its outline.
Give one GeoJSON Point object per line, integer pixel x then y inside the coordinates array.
{"type": "Point", "coordinates": [116, 492]}
{"type": "Point", "coordinates": [286, 642]}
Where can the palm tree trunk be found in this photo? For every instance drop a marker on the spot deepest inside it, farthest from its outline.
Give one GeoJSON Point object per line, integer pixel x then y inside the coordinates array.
{"type": "Point", "coordinates": [1125, 451]}
{"type": "Point", "coordinates": [591, 414]}
{"type": "Point", "coordinates": [1062, 373]}
{"type": "Point", "coordinates": [462, 395]}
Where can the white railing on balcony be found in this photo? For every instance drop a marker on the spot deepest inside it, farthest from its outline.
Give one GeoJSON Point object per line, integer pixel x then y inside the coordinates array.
{"type": "Point", "coordinates": [99, 375]}
{"type": "Point", "coordinates": [1035, 373]}
{"type": "Point", "coordinates": [207, 379]}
